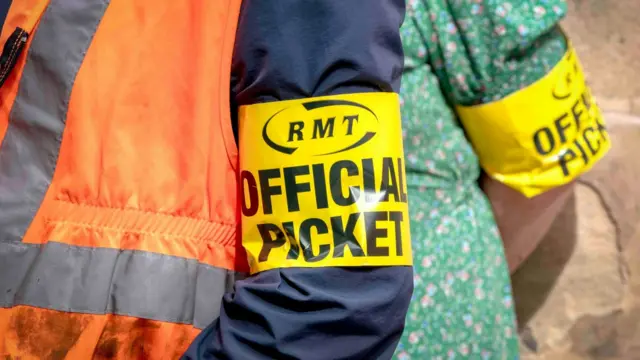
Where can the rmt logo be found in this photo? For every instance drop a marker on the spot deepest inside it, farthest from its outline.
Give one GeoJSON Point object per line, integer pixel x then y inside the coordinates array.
{"type": "Point", "coordinates": [320, 127]}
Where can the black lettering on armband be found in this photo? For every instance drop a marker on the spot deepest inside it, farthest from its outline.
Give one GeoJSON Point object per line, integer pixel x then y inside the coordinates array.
{"type": "Point", "coordinates": [343, 236]}
{"type": "Point", "coordinates": [320, 131]}
{"type": "Point", "coordinates": [306, 242]}
{"type": "Point", "coordinates": [546, 132]}
{"type": "Point", "coordinates": [337, 188]}
{"type": "Point", "coordinates": [320, 182]}
{"type": "Point", "coordinates": [293, 188]}
{"type": "Point", "coordinates": [397, 218]}
{"type": "Point", "coordinates": [589, 130]}
{"type": "Point", "coordinates": [295, 129]}
{"type": "Point", "coordinates": [251, 189]}
{"type": "Point", "coordinates": [577, 112]}
{"type": "Point", "coordinates": [586, 99]}
{"type": "Point", "coordinates": [564, 159]}
{"type": "Point", "coordinates": [401, 172]}
{"type": "Point", "coordinates": [369, 180]}
{"type": "Point", "coordinates": [602, 129]}
{"type": "Point", "coordinates": [374, 233]}
{"type": "Point", "coordinates": [272, 237]}
{"type": "Point", "coordinates": [561, 128]}
{"type": "Point", "coordinates": [267, 190]}
{"type": "Point", "coordinates": [389, 183]}
{"type": "Point", "coordinates": [585, 157]}
{"type": "Point", "coordinates": [350, 119]}
{"type": "Point", "coordinates": [289, 231]}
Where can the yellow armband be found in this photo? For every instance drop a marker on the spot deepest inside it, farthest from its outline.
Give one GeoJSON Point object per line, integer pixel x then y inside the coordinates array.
{"type": "Point", "coordinates": [323, 183]}
{"type": "Point", "coordinates": [542, 136]}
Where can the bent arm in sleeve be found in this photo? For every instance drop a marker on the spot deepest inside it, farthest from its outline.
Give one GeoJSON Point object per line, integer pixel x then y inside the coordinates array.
{"type": "Point", "coordinates": [290, 50]}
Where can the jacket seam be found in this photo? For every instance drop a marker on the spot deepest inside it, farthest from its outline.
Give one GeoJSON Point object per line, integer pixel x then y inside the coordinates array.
{"type": "Point", "coordinates": [146, 212]}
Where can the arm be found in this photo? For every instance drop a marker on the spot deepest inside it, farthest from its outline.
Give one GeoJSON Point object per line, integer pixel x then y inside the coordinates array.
{"type": "Point", "coordinates": [521, 97]}
{"type": "Point", "coordinates": [339, 309]}
{"type": "Point", "coordinates": [523, 222]}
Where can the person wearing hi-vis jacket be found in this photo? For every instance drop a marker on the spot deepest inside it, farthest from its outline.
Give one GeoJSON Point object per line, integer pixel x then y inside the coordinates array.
{"type": "Point", "coordinates": [493, 87]}
{"type": "Point", "coordinates": [129, 218]}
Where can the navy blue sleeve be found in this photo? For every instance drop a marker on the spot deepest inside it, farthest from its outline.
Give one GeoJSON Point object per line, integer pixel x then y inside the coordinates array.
{"type": "Point", "coordinates": [291, 49]}
{"type": "Point", "coordinates": [4, 10]}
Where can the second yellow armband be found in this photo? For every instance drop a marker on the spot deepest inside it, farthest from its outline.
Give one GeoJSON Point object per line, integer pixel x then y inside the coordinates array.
{"type": "Point", "coordinates": [542, 136]}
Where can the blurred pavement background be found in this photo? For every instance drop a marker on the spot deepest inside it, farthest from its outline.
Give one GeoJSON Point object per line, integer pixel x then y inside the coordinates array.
{"type": "Point", "coordinates": [578, 296]}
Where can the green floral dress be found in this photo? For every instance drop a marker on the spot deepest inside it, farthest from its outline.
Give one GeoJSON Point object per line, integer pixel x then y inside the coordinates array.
{"type": "Point", "coordinates": [463, 52]}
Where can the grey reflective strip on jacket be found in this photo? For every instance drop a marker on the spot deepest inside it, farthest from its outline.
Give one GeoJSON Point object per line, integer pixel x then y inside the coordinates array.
{"type": "Point", "coordinates": [72, 278]}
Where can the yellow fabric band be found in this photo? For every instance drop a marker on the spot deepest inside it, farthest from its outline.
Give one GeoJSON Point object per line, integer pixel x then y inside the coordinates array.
{"type": "Point", "coordinates": [542, 136]}
{"type": "Point", "coordinates": [323, 183]}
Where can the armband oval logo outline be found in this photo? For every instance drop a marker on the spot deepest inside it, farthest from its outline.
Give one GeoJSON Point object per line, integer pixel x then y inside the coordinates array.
{"type": "Point", "coordinates": [563, 87]}
{"type": "Point", "coordinates": [322, 126]}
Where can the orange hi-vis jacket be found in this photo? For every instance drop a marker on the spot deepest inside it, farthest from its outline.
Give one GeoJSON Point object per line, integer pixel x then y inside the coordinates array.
{"type": "Point", "coordinates": [113, 210]}
{"type": "Point", "coordinates": [214, 179]}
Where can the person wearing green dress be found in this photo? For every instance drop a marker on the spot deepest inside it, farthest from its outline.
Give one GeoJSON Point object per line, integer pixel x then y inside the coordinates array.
{"type": "Point", "coordinates": [463, 52]}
